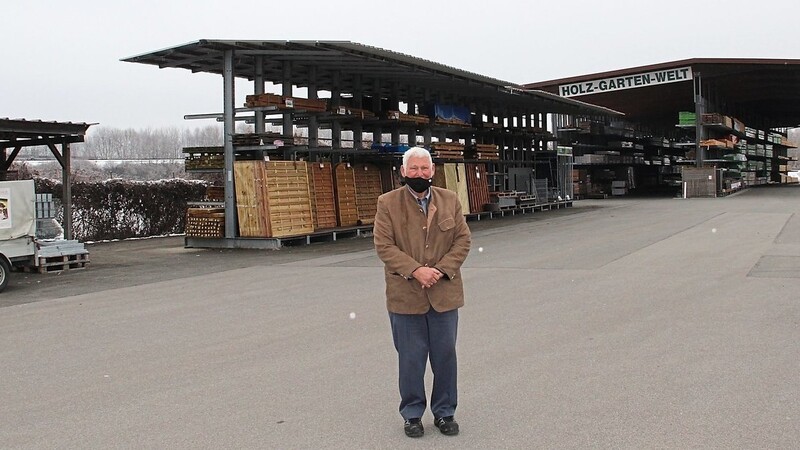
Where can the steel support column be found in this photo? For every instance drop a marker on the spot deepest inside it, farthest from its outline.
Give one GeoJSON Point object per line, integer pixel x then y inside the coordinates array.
{"type": "Point", "coordinates": [698, 124]}
{"type": "Point", "coordinates": [228, 130]}
{"type": "Point", "coordinates": [258, 88]}
{"type": "Point", "coordinates": [67, 180]}
{"type": "Point", "coordinates": [313, 123]}
{"type": "Point", "coordinates": [286, 90]}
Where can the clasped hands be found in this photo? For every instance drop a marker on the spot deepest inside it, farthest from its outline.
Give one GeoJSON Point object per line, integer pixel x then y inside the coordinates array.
{"type": "Point", "coordinates": [427, 276]}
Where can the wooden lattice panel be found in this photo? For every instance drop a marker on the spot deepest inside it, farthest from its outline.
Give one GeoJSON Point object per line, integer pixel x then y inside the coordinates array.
{"type": "Point", "coordinates": [323, 199]}
{"type": "Point", "coordinates": [346, 207]}
{"type": "Point", "coordinates": [368, 189]}
{"type": "Point", "coordinates": [251, 198]}
{"type": "Point", "coordinates": [288, 199]}
{"type": "Point", "coordinates": [456, 181]}
{"type": "Point", "coordinates": [477, 186]}
{"type": "Point", "coordinates": [439, 179]}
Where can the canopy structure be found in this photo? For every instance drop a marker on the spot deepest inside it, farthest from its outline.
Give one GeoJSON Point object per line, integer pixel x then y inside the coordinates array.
{"type": "Point", "coordinates": [764, 92]}
{"type": "Point", "coordinates": [15, 134]}
{"type": "Point", "coordinates": [347, 67]}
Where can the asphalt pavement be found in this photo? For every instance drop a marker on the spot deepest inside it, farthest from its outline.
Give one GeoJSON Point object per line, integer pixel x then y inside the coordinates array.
{"type": "Point", "coordinates": [618, 323]}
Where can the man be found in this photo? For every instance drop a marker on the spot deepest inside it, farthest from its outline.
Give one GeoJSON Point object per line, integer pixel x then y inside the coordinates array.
{"type": "Point", "coordinates": [422, 237]}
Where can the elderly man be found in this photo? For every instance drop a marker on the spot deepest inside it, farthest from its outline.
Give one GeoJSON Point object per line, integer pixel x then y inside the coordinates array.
{"type": "Point", "coordinates": [422, 237]}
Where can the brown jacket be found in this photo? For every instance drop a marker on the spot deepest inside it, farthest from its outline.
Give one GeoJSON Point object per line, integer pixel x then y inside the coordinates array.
{"type": "Point", "coordinates": [405, 239]}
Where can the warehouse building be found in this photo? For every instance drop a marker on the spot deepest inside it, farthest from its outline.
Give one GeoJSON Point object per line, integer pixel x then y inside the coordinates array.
{"type": "Point", "coordinates": [695, 127]}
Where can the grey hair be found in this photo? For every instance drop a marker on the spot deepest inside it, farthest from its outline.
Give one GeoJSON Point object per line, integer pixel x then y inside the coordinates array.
{"type": "Point", "coordinates": [416, 152]}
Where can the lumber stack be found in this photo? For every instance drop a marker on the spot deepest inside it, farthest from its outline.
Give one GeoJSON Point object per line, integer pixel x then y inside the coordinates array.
{"type": "Point", "coordinates": [414, 118]}
{"type": "Point", "coordinates": [323, 200]}
{"type": "Point", "coordinates": [272, 198]}
{"type": "Point", "coordinates": [477, 186]}
{"type": "Point", "coordinates": [205, 222]}
{"type": "Point", "coordinates": [204, 158]}
{"type": "Point", "coordinates": [346, 207]}
{"type": "Point", "coordinates": [368, 189]}
{"type": "Point", "coordinates": [452, 176]}
{"type": "Point", "coordinates": [269, 138]}
{"type": "Point", "coordinates": [281, 102]}
{"type": "Point", "coordinates": [451, 151]}
{"type": "Point", "coordinates": [484, 152]}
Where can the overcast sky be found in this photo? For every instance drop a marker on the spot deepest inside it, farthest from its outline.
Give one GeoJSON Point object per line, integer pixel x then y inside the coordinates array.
{"type": "Point", "coordinates": [61, 59]}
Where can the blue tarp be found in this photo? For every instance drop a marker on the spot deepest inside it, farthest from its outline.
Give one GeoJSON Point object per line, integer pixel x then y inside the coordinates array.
{"type": "Point", "coordinates": [450, 112]}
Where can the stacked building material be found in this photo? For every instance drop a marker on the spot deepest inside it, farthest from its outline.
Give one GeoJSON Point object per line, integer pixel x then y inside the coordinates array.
{"type": "Point", "coordinates": [346, 207]}
{"type": "Point", "coordinates": [451, 151]}
{"type": "Point", "coordinates": [272, 198]}
{"type": "Point", "coordinates": [323, 200]}
{"type": "Point", "coordinates": [368, 189]}
{"type": "Point", "coordinates": [484, 152]}
{"type": "Point", "coordinates": [204, 158]}
{"type": "Point", "coordinates": [281, 102]}
{"type": "Point", "coordinates": [686, 118]}
{"type": "Point", "coordinates": [205, 222]}
{"type": "Point", "coordinates": [477, 186]}
{"type": "Point", "coordinates": [414, 118]}
{"type": "Point", "coordinates": [455, 177]}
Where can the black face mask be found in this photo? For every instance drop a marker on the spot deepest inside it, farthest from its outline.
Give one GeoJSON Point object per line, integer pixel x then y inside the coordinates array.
{"type": "Point", "coordinates": [419, 185]}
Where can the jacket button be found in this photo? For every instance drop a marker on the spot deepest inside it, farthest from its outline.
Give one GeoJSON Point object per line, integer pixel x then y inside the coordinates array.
{"type": "Point", "coordinates": [426, 246]}
{"type": "Point", "coordinates": [424, 228]}
{"type": "Point", "coordinates": [426, 265]}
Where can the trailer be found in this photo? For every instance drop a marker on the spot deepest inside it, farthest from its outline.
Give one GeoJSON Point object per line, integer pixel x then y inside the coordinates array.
{"type": "Point", "coordinates": [19, 246]}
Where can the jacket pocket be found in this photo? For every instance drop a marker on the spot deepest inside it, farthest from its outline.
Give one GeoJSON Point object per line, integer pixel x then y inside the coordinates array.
{"type": "Point", "coordinates": [447, 224]}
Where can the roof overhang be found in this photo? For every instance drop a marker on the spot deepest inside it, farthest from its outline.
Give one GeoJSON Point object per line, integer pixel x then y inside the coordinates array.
{"type": "Point", "coordinates": [348, 67]}
{"type": "Point", "coordinates": [766, 90]}
{"type": "Point", "coordinates": [25, 133]}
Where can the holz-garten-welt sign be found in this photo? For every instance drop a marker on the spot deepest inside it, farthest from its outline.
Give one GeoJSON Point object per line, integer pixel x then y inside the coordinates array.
{"type": "Point", "coordinates": [625, 82]}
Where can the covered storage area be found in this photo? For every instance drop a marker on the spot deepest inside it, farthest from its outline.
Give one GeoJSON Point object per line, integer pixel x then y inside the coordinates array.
{"type": "Point", "coordinates": [695, 127]}
{"type": "Point", "coordinates": [328, 142]}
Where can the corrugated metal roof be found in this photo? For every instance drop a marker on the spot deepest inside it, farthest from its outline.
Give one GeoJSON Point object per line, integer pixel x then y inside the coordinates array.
{"type": "Point", "coordinates": [344, 65]}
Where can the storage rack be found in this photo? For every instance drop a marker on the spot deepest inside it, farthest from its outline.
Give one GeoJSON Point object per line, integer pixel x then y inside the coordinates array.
{"type": "Point", "coordinates": [365, 88]}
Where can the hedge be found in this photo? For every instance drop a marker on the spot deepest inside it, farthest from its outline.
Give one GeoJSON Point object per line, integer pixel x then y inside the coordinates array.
{"type": "Point", "coordinates": [122, 209]}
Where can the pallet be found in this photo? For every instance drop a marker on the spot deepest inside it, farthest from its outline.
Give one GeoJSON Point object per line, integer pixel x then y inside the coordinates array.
{"type": "Point", "coordinates": [62, 263]}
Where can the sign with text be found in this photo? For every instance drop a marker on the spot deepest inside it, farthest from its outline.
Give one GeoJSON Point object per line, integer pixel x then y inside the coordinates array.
{"type": "Point", "coordinates": [625, 82]}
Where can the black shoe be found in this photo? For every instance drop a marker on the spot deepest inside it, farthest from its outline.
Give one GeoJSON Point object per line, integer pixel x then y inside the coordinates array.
{"type": "Point", "coordinates": [414, 428]}
{"type": "Point", "coordinates": [447, 425]}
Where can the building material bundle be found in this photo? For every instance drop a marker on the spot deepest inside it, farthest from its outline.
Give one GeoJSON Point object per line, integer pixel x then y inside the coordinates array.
{"type": "Point", "coordinates": [281, 102]}
{"type": "Point", "coordinates": [204, 158]}
{"type": "Point", "coordinates": [323, 200]}
{"type": "Point", "coordinates": [205, 222]}
{"type": "Point", "coordinates": [368, 189]}
{"type": "Point", "coordinates": [452, 151]}
{"type": "Point", "coordinates": [477, 186]}
{"type": "Point", "coordinates": [272, 198]}
{"type": "Point", "coordinates": [346, 207]}
{"type": "Point", "coordinates": [486, 152]}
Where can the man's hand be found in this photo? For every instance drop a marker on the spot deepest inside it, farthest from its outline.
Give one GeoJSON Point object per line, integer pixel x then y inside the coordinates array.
{"type": "Point", "coordinates": [427, 276]}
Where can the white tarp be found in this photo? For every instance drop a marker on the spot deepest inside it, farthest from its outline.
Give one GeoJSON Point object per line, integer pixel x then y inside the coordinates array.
{"type": "Point", "coordinates": [17, 209]}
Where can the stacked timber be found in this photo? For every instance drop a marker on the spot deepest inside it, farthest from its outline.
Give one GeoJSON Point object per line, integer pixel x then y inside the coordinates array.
{"type": "Point", "coordinates": [323, 200]}
{"type": "Point", "coordinates": [345, 183]}
{"type": "Point", "coordinates": [368, 189]}
{"type": "Point", "coordinates": [272, 198]}
{"type": "Point", "coordinates": [451, 151]}
{"type": "Point", "coordinates": [204, 158]}
{"type": "Point", "coordinates": [281, 102]}
{"type": "Point", "coordinates": [269, 138]}
{"type": "Point", "coordinates": [453, 177]}
{"type": "Point", "coordinates": [477, 186]}
{"type": "Point", "coordinates": [483, 152]}
{"type": "Point", "coordinates": [205, 222]}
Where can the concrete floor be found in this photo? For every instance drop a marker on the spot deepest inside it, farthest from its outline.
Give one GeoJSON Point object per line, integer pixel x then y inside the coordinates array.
{"type": "Point", "coordinates": [620, 323]}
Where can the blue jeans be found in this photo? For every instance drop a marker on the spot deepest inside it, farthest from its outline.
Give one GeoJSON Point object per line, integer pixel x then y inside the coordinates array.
{"type": "Point", "coordinates": [418, 337]}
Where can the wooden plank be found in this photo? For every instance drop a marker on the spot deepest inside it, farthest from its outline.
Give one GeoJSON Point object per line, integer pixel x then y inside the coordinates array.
{"type": "Point", "coordinates": [477, 186]}
{"type": "Point", "coordinates": [323, 200]}
{"type": "Point", "coordinates": [345, 184]}
{"type": "Point", "coordinates": [251, 198]}
{"type": "Point", "coordinates": [368, 189]}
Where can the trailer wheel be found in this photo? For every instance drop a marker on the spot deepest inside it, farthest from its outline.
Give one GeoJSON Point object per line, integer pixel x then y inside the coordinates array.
{"type": "Point", "coordinates": [5, 272]}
